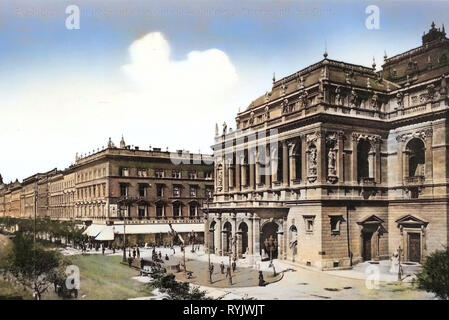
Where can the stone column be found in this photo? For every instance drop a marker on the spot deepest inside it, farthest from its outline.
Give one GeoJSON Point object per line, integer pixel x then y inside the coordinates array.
{"type": "Point", "coordinates": [284, 236]}
{"type": "Point", "coordinates": [237, 174]}
{"type": "Point", "coordinates": [258, 167]}
{"type": "Point", "coordinates": [256, 235]}
{"type": "Point", "coordinates": [267, 167]}
{"type": "Point", "coordinates": [399, 162]}
{"type": "Point", "coordinates": [252, 167]}
{"type": "Point", "coordinates": [219, 247]}
{"type": "Point", "coordinates": [354, 159]}
{"type": "Point", "coordinates": [321, 151]}
{"type": "Point", "coordinates": [303, 159]}
{"type": "Point", "coordinates": [274, 164]}
{"type": "Point", "coordinates": [292, 155]}
{"type": "Point", "coordinates": [429, 155]}
{"type": "Point", "coordinates": [243, 170]}
{"type": "Point", "coordinates": [371, 164]}
{"type": "Point", "coordinates": [225, 177]}
{"type": "Point", "coordinates": [231, 176]}
{"type": "Point", "coordinates": [251, 235]}
{"type": "Point", "coordinates": [285, 177]}
{"type": "Point", "coordinates": [340, 157]}
{"type": "Point", "coordinates": [377, 170]}
{"type": "Point", "coordinates": [405, 165]}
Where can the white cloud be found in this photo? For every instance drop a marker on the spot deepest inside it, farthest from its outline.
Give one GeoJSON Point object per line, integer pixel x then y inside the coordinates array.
{"type": "Point", "coordinates": [189, 87]}
{"type": "Point", "coordinates": [154, 101]}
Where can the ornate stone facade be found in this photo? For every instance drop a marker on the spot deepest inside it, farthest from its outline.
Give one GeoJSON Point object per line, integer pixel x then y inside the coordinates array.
{"type": "Point", "coordinates": [354, 164]}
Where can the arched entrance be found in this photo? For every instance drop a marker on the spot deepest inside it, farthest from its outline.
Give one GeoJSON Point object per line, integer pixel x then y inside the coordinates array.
{"type": "Point", "coordinates": [227, 234]}
{"type": "Point", "coordinates": [269, 231]}
{"type": "Point", "coordinates": [211, 237]}
{"type": "Point", "coordinates": [243, 238]}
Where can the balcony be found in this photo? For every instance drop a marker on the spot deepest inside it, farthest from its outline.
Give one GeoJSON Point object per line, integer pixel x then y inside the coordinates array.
{"type": "Point", "coordinates": [415, 180]}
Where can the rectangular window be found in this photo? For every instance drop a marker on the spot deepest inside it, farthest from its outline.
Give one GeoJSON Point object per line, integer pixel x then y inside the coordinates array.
{"type": "Point", "coordinates": [124, 172]}
{"type": "Point", "coordinates": [208, 175]}
{"type": "Point", "coordinates": [159, 173]}
{"type": "Point", "coordinates": [193, 192]}
{"type": "Point", "coordinates": [160, 190]}
{"type": "Point", "coordinates": [193, 175]}
{"type": "Point", "coordinates": [142, 190]}
{"type": "Point", "coordinates": [141, 212]}
{"type": "Point", "coordinates": [176, 174]}
{"type": "Point", "coordinates": [123, 190]}
{"type": "Point", "coordinates": [335, 224]}
{"type": "Point", "coordinates": [309, 221]}
{"type": "Point", "coordinates": [176, 191]}
{"type": "Point", "coordinates": [159, 210]}
{"type": "Point", "coordinates": [142, 172]}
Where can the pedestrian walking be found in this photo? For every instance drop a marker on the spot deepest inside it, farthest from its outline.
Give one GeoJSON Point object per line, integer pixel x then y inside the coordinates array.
{"type": "Point", "coordinates": [138, 252]}
{"type": "Point", "coordinates": [228, 271]}
{"type": "Point", "coordinates": [222, 267]}
{"type": "Point", "coordinates": [234, 266]}
{"type": "Point", "coordinates": [211, 271]}
{"type": "Point", "coordinates": [134, 253]}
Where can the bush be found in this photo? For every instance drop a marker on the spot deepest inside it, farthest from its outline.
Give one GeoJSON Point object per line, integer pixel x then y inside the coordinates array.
{"type": "Point", "coordinates": [435, 274]}
{"type": "Point", "coordinates": [178, 290]}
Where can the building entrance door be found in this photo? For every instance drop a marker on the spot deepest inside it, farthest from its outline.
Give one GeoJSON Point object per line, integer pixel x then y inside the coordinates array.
{"type": "Point", "coordinates": [414, 247]}
{"type": "Point", "coordinates": [367, 246]}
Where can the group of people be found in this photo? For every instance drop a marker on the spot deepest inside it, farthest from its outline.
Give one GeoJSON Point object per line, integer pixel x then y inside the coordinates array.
{"type": "Point", "coordinates": [223, 268]}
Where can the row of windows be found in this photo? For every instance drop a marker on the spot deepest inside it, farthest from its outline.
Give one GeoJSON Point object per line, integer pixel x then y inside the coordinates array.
{"type": "Point", "coordinates": [95, 191]}
{"type": "Point", "coordinates": [59, 186]}
{"type": "Point", "coordinates": [61, 199]}
{"type": "Point", "coordinates": [91, 174]}
{"type": "Point", "coordinates": [160, 173]}
{"type": "Point", "coordinates": [177, 190]}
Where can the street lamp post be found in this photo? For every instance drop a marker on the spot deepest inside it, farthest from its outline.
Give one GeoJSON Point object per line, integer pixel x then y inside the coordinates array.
{"type": "Point", "coordinates": [124, 233]}
{"type": "Point", "coordinates": [399, 264]}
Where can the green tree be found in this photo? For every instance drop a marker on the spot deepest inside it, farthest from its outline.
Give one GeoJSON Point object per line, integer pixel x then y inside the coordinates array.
{"type": "Point", "coordinates": [33, 267]}
{"type": "Point", "coordinates": [178, 290]}
{"type": "Point", "coordinates": [434, 276]}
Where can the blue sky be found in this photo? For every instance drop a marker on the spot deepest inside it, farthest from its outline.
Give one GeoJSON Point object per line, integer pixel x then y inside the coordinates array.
{"type": "Point", "coordinates": [65, 91]}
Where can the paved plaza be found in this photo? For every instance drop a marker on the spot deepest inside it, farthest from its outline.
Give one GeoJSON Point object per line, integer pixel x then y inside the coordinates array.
{"type": "Point", "coordinates": [297, 283]}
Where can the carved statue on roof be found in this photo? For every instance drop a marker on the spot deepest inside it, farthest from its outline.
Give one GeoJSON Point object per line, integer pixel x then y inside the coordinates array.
{"type": "Point", "coordinates": [304, 99]}
{"type": "Point", "coordinates": [338, 95]}
{"type": "Point", "coordinates": [225, 128]}
{"type": "Point", "coordinates": [122, 143]}
{"type": "Point", "coordinates": [216, 129]}
{"type": "Point", "coordinates": [251, 118]}
{"type": "Point", "coordinates": [353, 99]}
{"type": "Point", "coordinates": [375, 101]}
{"type": "Point", "coordinates": [267, 112]}
{"type": "Point", "coordinates": [110, 143]}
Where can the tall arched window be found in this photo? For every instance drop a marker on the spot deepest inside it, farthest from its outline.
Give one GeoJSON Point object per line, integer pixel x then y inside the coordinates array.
{"type": "Point", "coordinates": [365, 160]}
{"type": "Point", "coordinates": [416, 157]}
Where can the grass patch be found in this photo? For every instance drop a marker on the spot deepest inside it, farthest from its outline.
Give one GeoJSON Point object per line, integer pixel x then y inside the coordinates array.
{"type": "Point", "coordinates": [105, 278]}
{"type": "Point", "coordinates": [10, 291]}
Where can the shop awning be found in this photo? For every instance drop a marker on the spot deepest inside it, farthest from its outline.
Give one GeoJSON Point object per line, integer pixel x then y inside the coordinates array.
{"type": "Point", "coordinates": [94, 229]}
{"type": "Point", "coordinates": [188, 227]}
{"type": "Point", "coordinates": [141, 228]}
{"type": "Point", "coordinates": [105, 235]}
